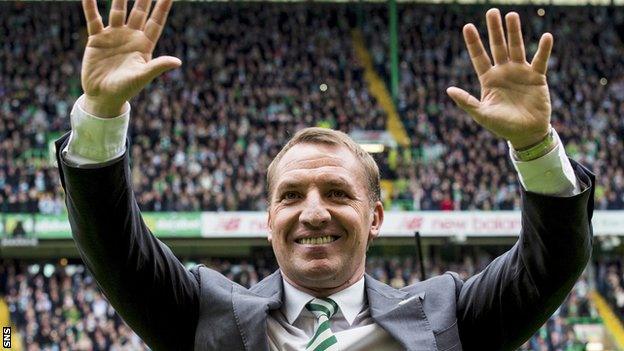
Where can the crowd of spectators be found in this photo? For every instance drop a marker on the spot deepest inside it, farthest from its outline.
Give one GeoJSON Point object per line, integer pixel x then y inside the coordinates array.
{"type": "Point", "coordinates": [59, 306]}
{"type": "Point", "coordinates": [452, 161]}
{"type": "Point", "coordinates": [203, 135]}
{"type": "Point", "coordinates": [558, 333]}
{"type": "Point", "coordinates": [611, 283]}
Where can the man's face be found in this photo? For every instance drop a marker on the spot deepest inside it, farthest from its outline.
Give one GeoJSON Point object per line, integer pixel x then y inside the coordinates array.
{"type": "Point", "coordinates": [321, 217]}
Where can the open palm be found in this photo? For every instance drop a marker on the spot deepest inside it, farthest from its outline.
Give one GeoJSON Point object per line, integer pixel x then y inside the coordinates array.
{"type": "Point", "coordinates": [515, 101]}
{"type": "Point", "coordinates": [118, 62]}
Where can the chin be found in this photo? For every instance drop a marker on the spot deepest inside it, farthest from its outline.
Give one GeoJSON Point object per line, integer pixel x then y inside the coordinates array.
{"type": "Point", "coordinates": [317, 270]}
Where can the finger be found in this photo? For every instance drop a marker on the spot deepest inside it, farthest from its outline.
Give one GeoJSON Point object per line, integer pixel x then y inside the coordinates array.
{"type": "Point", "coordinates": [158, 66]}
{"type": "Point", "coordinates": [138, 15]}
{"type": "Point", "coordinates": [94, 20]}
{"type": "Point", "coordinates": [157, 20]}
{"type": "Point", "coordinates": [463, 99]}
{"type": "Point", "coordinates": [478, 55]}
{"type": "Point", "coordinates": [498, 46]}
{"type": "Point", "coordinates": [514, 38]}
{"type": "Point", "coordinates": [540, 60]}
{"type": "Point", "coordinates": [117, 17]}
{"type": "Point", "coordinates": [468, 103]}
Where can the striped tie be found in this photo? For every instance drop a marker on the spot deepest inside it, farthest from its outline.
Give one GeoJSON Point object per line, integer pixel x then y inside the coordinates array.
{"type": "Point", "coordinates": [323, 339]}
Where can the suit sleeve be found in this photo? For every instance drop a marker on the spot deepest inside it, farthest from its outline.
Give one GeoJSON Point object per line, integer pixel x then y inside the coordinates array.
{"type": "Point", "coordinates": [140, 276]}
{"type": "Point", "coordinates": [504, 305]}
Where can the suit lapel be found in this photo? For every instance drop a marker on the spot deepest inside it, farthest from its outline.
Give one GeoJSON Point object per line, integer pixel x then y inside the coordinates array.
{"type": "Point", "coordinates": [401, 315]}
{"type": "Point", "coordinates": [252, 307]}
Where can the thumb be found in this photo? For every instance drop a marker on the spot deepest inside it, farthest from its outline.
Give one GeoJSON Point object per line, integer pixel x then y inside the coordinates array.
{"type": "Point", "coordinates": [463, 99]}
{"type": "Point", "coordinates": [158, 66]}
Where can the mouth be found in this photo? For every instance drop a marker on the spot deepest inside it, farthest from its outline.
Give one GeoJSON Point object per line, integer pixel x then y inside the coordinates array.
{"type": "Point", "coordinates": [321, 240]}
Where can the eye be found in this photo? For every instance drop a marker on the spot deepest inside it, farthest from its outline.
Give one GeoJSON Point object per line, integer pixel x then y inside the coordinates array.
{"type": "Point", "coordinates": [290, 195]}
{"type": "Point", "coordinates": [337, 194]}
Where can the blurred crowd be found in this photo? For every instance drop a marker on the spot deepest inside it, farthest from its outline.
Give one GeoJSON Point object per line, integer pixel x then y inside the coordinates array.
{"type": "Point", "coordinates": [202, 136]}
{"type": "Point", "coordinates": [611, 284]}
{"type": "Point", "coordinates": [59, 307]}
{"type": "Point", "coordinates": [452, 161]}
{"type": "Point", "coordinates": [558, 333]}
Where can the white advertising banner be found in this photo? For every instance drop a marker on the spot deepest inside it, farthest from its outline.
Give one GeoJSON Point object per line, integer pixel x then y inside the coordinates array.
{"type": "Point", "coordinates": [234, 224]}
{"type": "Point", "coordinates": [503, 223]}
{"type": "Point", "coordinates": [608, 222]}
{"type": "Point", "coordinates": [404, 224]}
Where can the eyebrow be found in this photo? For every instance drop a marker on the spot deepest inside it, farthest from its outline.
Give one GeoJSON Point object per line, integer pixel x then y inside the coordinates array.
{"type": "Point", "coordinates": [339, 181]}
{"type": "Point", "coordinates": [286, 184]}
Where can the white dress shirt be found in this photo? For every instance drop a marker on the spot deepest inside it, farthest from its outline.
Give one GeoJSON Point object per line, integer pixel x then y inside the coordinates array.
{"type": "Point", "coordinates": [95, 141]}
{"type": "Point", "coordinates": [292, 326]}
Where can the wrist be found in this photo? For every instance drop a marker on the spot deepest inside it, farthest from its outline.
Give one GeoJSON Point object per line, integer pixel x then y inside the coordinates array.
{"type": "Point", "coordinates": [101, 108]}
{"type": "Point", "coordinates": [536, 149]}
{"type": "Point", "coordinates": [530, 141]}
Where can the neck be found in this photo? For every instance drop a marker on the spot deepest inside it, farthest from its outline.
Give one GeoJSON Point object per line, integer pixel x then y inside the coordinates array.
{"type": "Point", "coordinates": [317, 291]}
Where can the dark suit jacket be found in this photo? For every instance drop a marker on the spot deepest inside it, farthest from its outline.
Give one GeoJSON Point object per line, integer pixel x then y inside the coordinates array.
{"type": "Point", "coordinates": [172, 308]}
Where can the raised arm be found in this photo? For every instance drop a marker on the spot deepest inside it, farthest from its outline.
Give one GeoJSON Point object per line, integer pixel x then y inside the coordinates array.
{"type": "Point", "coordinates": [502, 306]}
{"type": "Point", "coordinates": [139, 275]}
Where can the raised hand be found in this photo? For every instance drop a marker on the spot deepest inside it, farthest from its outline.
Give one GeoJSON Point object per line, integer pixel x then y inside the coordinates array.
{"type": "Point", "coordinates": [515, 102]}
{"type": "Point", "coordinates": [118, 62]}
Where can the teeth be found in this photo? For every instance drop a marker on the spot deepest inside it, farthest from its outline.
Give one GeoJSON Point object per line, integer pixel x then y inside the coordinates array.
{"type": "Point", "coordinates": [317, 241]}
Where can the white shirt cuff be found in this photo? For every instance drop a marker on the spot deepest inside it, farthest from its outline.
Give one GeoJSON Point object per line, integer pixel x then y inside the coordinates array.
{"type": "Point", "coordinates": [551, 174]}
{"type": "Point", "coordinates": [95, 140]}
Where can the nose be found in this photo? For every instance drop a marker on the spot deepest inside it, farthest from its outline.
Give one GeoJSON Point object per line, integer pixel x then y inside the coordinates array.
{"type": "Point", "coordinates": [314, 213]}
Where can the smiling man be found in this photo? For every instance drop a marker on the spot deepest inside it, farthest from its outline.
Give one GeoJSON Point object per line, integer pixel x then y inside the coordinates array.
{"type": "Point", "coordinates": [324, 212]}
{"type": "Point", "coordinates": [325, 209]}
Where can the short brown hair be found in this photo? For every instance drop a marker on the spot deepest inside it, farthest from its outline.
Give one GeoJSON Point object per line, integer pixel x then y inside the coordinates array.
{"type": "Point", "coordinates": [316, 135]}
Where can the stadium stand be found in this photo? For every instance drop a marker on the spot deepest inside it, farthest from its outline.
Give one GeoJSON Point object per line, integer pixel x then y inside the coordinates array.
{"type": "Point", "coordinates": [442, 169]}
{"type": "Point", "coordinates": [203, 135]}
{"type": "Point", "coordinates": [611, 278]}
{"type": "Point", "coordinates": [56, 307]}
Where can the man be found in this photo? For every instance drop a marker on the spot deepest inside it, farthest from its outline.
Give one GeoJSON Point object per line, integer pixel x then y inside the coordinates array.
{"type": "Point", "coordinates": [324, 212]}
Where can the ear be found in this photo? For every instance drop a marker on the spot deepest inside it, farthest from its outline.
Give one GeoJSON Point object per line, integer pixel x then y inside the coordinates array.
{"type": "Point", "coordinates": [269, 225]}
{"type": "Point", "coordinates": [377, 217]}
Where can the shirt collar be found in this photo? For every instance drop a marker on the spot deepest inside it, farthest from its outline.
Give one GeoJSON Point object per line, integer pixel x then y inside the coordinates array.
{"type": "Point", "coordinates": [351, 301]}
